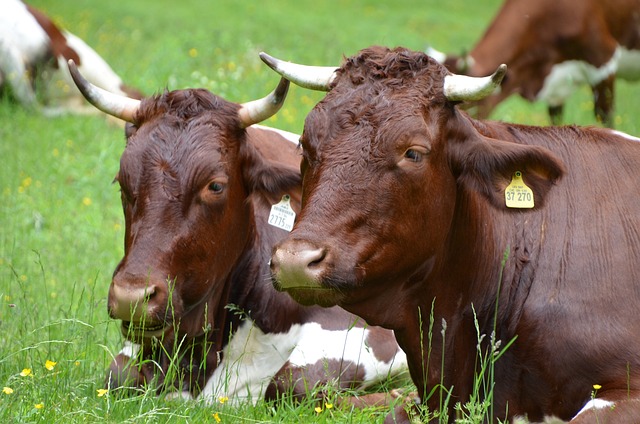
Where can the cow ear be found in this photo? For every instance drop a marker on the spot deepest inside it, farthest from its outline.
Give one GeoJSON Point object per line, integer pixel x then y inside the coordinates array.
{"type": "Point", "coordinates": [488, 166]}
{"type": "Point", "coordinates": [270, 177]}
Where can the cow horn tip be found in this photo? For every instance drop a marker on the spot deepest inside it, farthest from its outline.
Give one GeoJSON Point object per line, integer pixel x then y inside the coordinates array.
{"type": "Point", "coordinates": [499, 74]}
{"type": "Point", "coordinates": [269, 60]}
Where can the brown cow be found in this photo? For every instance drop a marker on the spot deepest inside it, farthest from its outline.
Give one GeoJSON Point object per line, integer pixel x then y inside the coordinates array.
{"type": "Point", "coordinates": [34, 51]}
{"type": "Point", "coordinates": [198, 184]}
{"type": "Point", "coordinates": [409, 208]}
{"type": "Point", "coordinates": [552, 47]}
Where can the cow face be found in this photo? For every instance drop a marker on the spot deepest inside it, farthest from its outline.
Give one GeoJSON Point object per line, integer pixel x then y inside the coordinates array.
{"type": "Point", "coordinates": [386, 156]}
{"type": "Point", "coordinates": [185, 177]}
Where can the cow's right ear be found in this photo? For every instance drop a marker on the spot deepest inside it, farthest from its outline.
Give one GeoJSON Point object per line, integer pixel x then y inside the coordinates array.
{"type": "Point", "coordinates": [272, 178]}
{"type": "Point", "coordinates": [488, 166]}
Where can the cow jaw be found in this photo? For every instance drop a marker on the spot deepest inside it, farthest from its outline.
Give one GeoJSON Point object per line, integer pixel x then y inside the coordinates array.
{"type": "Point", "coordinates": [138, 331]}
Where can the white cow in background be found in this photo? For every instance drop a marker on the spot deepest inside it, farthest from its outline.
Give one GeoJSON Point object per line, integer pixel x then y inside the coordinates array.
{"type": "Point", "coordinates": [34, 52]}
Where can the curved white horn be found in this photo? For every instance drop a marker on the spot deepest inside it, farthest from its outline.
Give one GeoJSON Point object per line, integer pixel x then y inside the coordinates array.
{"type": "Point", "coordinates": [312, 77]}
{"type": "Point", "coordinates": [462, 87]}
{"type": "Point", "coordinates": [258, 110]}
{"type": "Point", "coordinates": [439, 56]}
{"type": "Point", "coordinates": [114, 104]}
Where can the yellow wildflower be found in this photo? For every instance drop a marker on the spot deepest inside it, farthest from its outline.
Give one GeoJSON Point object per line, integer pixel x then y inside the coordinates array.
{"type": "Point", "coordinates": [223, 399]}
{"type": "Point", "coordinates": [86, 201]}
{"type": "Point", "coordinates": [328, 405]}
{"type": "Point", "coordinates": [7, 390]}
{"type": "Point", "coordinates": [49, 365]}
{"type": "Point", "coordinates": [39, 405]}
{"type": "Point", "coordinates": [102, 392]}
{"type": "Point", "coordinates": [597, 387]}
{"type": "Point", "coordinates": [193, 52]}
{"type": "Point", "coordinates": [25, 372]}
{"type": "Point", "coordinates": [318, 409]}
{"type": "Point", "coordinates": [216, 417]}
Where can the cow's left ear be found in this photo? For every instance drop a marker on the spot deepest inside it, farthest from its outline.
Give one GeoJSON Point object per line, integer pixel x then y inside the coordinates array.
{"type": "Point", "coordinates": [272, 178]}
{"type": "Point", "coordinates": [488, 166]}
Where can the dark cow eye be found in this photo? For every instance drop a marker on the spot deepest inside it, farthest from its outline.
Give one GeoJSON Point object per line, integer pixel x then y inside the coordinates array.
{"type": "Point", "coordinates": [413, 155]}
{"type": "Point", "coordinates": [215, 187]}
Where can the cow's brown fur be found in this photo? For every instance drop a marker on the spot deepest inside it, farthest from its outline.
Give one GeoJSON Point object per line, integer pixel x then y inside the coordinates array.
{"type": "Point", "coordinates": [196, 251]}
{"type": "Point", "coordinates": [401, 239]}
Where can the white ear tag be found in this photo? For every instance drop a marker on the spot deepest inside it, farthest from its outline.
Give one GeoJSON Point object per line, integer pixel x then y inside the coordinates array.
{"type": "Point", "coordinates": [282, 215]}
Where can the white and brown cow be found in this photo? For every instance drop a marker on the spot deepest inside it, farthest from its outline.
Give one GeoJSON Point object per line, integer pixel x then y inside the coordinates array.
{"type": "Point", "coordinates": [414, 213]}
{"type": "Point", "coordinates": [198, 186]}
{"type": "Point", "coordinates": [33, 62]}
{"type": "Point", "coordinates": [552, 48]}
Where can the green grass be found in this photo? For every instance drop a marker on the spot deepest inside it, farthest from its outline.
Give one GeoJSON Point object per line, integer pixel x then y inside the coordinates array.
{"type": "Point", "coordinates": [61, 227]}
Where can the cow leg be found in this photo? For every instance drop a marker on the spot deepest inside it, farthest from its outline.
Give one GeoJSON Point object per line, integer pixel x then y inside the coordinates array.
{"type": "Point", "coordinates": [405, 413]}
{"type": "Point", "coordinates": [126, 373]}
{"type": "Point", "coordinates": [123, 373]}
{"type": "Point", "coordinates": [17, 76]}
{"type": "Point", "coordinates": [603, 101]}
{"type": "Point", "coordinates": [301, 382]}
{"type": "Point", "coordinates": [555, 114]}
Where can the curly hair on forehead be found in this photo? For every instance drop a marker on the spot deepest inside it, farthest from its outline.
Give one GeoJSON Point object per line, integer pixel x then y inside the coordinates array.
{"type": "Point", "coordinates": [186, 104]}
{"type": "Point", "coordinates": [393, 66]}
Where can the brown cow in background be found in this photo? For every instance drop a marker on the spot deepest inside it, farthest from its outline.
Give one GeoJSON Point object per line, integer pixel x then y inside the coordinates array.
{"type": "Point", "coordinates": [552, 47]}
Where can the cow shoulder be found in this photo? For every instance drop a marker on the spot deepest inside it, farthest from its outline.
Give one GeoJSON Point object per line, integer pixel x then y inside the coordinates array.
{"type": "Point", "coordinates": [487, 165]}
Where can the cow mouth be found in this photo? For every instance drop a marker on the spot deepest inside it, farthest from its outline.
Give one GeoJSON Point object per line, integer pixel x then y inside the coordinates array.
{"type": "Point", "coordinates": [322, 296]}
{"type": "Point", "coordinates": [138, 330]}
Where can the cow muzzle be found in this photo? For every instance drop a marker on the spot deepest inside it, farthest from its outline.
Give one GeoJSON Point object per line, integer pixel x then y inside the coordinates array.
{"type": "Point", "coordinates": [141, 309]}
{"type": "Point", "coordinates": [299, 268]}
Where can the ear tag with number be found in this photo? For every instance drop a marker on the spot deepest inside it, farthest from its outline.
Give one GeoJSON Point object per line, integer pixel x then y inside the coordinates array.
{"type": "Point", "coordinates": [282, 215]}
{"type": "Point", "coordinates": [517, 194]}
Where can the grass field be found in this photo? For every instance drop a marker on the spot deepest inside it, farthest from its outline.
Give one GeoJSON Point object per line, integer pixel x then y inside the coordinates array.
{"type": "Point", "coordinates": [61, 227]}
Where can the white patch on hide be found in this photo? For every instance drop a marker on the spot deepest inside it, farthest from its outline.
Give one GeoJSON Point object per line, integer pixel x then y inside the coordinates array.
{"type": "Point", "coordinates": [249, 362]}
{"type": "Point", "coordinates": [595, 404]}
{"type": "Point", "coordinates": [566, 77]}
{"type": "Point", "coordinates": [252, 358]}
{"type": "Point", "coordinates": [292, 137]}
{"type": "Point", "coordinates": [317, 344]}
{"type": "Point", "coordinates": [629, 65]}
{"type": "Point", "coordinates": [130, 349]}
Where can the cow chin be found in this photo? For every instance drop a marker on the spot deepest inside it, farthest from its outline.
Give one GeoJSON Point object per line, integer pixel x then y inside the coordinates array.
{"type": "Point", "coordinates": [307, 296]}
{"type": "Point", "coordinates": [143, 332]}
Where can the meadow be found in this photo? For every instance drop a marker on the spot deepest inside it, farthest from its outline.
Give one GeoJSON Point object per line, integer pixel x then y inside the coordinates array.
{"type": "Point", "coordinates": [61, 225]}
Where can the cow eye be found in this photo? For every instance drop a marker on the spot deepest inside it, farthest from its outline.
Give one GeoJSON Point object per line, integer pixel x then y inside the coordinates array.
{"type": "Point", "coordinates": [215, 187]}
{"type": "Point", "coordinates": [413, 155]}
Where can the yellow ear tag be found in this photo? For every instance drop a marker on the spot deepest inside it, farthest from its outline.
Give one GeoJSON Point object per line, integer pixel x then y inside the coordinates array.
{"type": "Point", "coordinates": [517, 194]}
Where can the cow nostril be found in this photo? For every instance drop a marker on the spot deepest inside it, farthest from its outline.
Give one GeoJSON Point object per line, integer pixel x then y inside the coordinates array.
{"type": "Point", "coordinates": [149, 291]}
{"type": "Point", "coordinates": [316, 258]}
{"type": "Point", "coordinates": [299, 264]}
{"type": "Point", "coordinates": [131, 303]}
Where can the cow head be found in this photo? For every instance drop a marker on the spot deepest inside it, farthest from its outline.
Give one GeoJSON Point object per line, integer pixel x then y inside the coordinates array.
{"type": "Point", "coordinates": [386, 156]}
{"type": "Point", "coordinates": [185, 176]}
